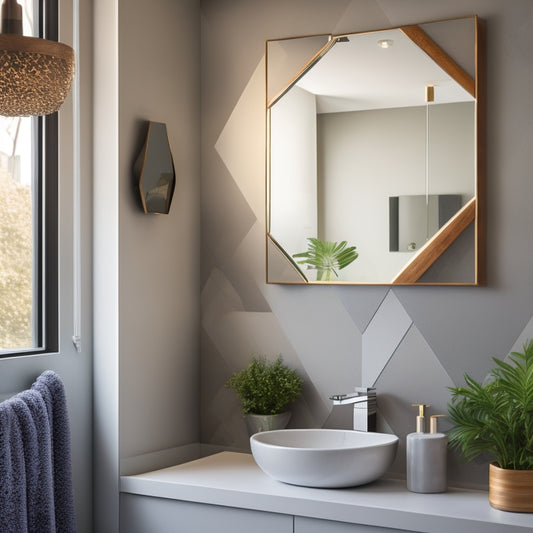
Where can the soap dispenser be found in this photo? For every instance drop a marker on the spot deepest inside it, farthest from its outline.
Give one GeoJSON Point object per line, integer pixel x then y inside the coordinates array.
{"type": "Point", "coordinates": [426, 457]}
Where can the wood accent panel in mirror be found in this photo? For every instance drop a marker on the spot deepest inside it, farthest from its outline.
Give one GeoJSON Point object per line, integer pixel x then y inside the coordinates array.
{"type": "Point", "coordinates": [349, 130]}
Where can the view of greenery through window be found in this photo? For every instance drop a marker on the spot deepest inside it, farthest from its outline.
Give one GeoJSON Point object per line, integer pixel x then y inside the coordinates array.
{"type": "Point", "coordinates": [17, 224]}
{"type": "Point", "coordinates": [16, 235]}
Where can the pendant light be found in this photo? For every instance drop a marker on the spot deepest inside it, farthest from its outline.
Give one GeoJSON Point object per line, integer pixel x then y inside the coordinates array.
{"type": "Point", "coordinates": [35, 74]}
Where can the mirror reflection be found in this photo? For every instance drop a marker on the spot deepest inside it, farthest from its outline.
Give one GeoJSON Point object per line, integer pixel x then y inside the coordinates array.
{"type": "Point", "coordinates": [372, 143]}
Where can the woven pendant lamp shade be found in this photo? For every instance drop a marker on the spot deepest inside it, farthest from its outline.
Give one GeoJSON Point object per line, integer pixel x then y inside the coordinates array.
{"type": "Point", "coordinates": [35, 74]}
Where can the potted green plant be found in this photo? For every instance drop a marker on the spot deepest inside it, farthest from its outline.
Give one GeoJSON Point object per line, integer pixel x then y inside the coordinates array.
{"type": "Point", "coordinates": [265, 390]}
{"type": "Point", "coordinates": [327, 257]}
{"type": "Point", "coordinates": [496, 417]}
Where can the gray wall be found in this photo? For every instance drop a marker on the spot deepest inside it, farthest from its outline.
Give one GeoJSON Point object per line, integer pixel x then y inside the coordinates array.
{"type": "Point", "coordinates": [410, 342]}
{"type": "Point", "coordinates": [146, 267]}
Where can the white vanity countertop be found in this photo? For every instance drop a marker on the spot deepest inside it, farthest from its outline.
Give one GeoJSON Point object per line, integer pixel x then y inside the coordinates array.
{"type": "Point", "coordinates": [234, 480]}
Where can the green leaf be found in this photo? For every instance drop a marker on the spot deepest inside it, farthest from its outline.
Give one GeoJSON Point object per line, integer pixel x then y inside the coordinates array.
{"type": "Point", "coordinates": [326, 257]}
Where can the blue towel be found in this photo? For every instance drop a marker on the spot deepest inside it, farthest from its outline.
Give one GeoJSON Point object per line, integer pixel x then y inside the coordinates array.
{"type": "Point", "coordinates": [33, 418]}
{"type": "Point", "coordinates": [51, 388]}
{"type": "Point", "coordinates": [13, 517]}
{"type": "Point", "coordinates": [36, 493]}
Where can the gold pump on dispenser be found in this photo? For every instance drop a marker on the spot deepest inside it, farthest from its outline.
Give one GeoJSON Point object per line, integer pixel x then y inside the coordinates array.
{"type": "Point", "coordinates": [421, 418]}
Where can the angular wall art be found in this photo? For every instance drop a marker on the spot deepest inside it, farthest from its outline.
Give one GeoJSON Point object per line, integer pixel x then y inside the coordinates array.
{"type": "Point", "coordinates": [154, 168]}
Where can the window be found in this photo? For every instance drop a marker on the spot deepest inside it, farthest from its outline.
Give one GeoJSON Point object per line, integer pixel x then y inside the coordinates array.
{"type": "Point", "coordinates": [28, 217]}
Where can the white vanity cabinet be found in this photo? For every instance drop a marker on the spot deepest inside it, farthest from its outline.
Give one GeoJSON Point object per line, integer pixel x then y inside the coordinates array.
{"type": "Point", "coordinates": [228, 493]}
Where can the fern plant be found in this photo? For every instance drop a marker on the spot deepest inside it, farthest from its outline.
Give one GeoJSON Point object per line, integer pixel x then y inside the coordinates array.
{"type": "Point", "coordinates": [327, 257]}
{"type": "Point", "coordinates": [497, 417]}
{"type": "Point", "coordinates": [266, 388]}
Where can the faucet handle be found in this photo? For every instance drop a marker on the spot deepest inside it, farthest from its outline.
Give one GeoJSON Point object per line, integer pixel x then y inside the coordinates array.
{"type": "Point", "coordinates": [370, 391]}
{"type": "Point", "coordinates": [338, 397]}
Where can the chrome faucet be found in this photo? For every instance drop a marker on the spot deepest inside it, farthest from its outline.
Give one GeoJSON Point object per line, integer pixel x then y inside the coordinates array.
{"type": "Point", "coordinates": [364, 407]}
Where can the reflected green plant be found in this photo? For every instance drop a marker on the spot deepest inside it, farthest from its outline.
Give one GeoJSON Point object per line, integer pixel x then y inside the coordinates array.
{"type": "Point", "coordinates": [327, 257]}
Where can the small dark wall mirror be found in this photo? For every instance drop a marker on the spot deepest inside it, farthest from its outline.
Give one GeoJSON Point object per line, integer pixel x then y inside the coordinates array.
{"type": "Point", "coordinates": [413, 220]}
{"type": "Point", "coordinates": [365, 131]}
{"type": "Point", "coordinates": [154, 168]}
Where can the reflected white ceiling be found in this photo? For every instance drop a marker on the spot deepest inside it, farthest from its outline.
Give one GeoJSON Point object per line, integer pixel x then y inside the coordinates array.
{"type": "Point", "coordinates": [360, 75]}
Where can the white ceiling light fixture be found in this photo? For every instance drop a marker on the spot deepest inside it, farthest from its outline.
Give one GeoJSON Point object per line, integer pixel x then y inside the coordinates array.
{"type": "Point", "coordinates": [35, 74]}
{"type": "Point", "coordinates": [385, 43]}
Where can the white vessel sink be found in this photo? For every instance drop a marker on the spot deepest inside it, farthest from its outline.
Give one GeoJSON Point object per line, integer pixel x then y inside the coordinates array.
{"type": "Point", "coordinates": [327, 458]}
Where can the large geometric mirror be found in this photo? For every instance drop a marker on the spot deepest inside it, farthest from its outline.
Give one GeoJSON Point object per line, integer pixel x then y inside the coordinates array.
{"type": "Point", "coordinates": [375, 156]}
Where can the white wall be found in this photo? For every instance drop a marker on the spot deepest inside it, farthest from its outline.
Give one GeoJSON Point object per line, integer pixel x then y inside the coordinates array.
{"type": "Point", "coordinates": [365, 157]}
{"type": "Point", "coordinates": [146, 266]}
{"type": "Point", "coordinates": [293, 170]}
{"type": "Point", "coordinates": [452, 131]}
{"type": "Point", "coordinates": [105, 266]}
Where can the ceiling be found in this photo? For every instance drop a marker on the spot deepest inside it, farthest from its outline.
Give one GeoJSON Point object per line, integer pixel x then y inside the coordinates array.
{"type": "Point", "coordinates": [360, 75]}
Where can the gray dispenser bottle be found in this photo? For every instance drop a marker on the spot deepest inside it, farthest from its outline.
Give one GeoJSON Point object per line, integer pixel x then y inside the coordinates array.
{"type": "Point", "coordinates": [426, 457]}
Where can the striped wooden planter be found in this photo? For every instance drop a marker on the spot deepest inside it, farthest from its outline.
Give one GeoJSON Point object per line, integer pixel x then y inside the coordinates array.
{"type": "Point", "coordinates": [511, 490]}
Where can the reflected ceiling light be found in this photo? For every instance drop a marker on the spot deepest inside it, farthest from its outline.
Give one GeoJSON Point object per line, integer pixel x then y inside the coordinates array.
{"type": "Point", "coordinates": [35, 74]}
{"type": "Point", "coordinates": [385, 43]}
{"type": "Point", "coordinates": [430, 93]}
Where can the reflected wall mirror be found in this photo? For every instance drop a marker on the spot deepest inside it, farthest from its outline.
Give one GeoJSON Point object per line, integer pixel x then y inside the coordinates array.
{"type": "Point", "coordinates": [375, 156]}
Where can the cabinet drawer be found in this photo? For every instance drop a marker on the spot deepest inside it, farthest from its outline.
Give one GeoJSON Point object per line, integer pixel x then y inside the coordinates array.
{"type": "Point", "coordinates": [144, 514]}
{"type": "Point", "coordinates": [315, 525]}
